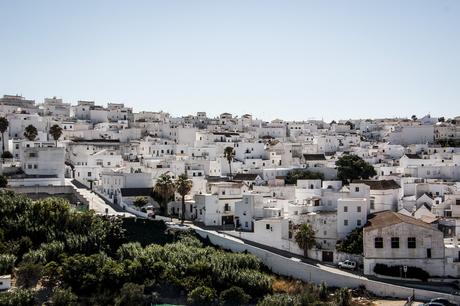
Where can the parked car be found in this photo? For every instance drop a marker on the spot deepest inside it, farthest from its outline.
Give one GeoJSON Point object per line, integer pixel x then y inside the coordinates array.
{"type": "Point", "coordinates": [432, 304]}
{"type": "Point", "coordinates": [347, 264]}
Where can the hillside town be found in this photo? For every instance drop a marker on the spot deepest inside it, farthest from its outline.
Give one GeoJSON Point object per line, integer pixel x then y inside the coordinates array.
{"type": "Point", "coordinates": [372, 192]}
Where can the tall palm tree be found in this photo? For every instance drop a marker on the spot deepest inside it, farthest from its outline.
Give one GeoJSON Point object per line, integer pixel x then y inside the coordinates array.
{"type": "Point", "coordinates": [183, 187]}
{"type": "Point", "coordinates": [3, 127]}
{"type": "Point", "coordinates": [164, 189]}
{"type": "Point", "coordinates": [30, 132]}
{"type": "Point", "coordinates": [229, 154]}
{"type": "Point", "coordinates": [305, 238]}
{"type": "Point", "coordinates": [56, 132]}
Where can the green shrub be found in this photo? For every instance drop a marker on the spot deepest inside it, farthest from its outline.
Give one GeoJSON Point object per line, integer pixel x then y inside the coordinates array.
{"type": "Point", "coordinates": [202, 296]}
{"type": "Point", "coordinates": [28, 274]}
{"type": "Point", "coordinates": [279, 300]}
{"type": "Point", "coordinates": [234, 296]}
{"type": "Point", "coordinates": [353, 243]}
{"type": "Point", "coordinates": [397, 271]}
{"type": "Point", "coordinates": [131, 294]}
{"type": "Point", "coordinates": [343, 297]}
{"type": "Point", "coordinates": [18, 297]}
{"type": "Point", "coordinates": [323, 291]}
{"type": "Point", "coordinates": [6, 263]}
{"type": "Point", "coordinates": [63, 297]}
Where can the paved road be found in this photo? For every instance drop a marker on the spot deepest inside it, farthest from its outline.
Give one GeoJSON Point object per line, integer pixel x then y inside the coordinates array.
{"type": "Point", "coordinates": [97, 203]}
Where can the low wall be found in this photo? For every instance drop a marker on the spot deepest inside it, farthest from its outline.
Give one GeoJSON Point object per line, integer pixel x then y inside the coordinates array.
{"type": "Point", "coordinates": [43, 189]}
{"type": "Point", "coordinates": [316, 274]}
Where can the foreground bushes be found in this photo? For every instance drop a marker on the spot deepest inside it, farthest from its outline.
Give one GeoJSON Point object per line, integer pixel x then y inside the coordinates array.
{"type": "Point", "coordinates": [90, 258]}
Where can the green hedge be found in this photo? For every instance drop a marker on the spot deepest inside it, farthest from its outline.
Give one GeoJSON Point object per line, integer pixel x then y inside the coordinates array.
{"type": "Point", "coordinates": [397, 271]}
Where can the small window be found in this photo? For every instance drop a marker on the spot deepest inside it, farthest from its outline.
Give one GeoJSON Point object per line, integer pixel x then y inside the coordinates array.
{"type": "Point", "coordinates": [378, 242]}
{"type": "Point", "coordinates": [345, 209]}
{"type": "Point", "coordinates": [411, 243]}
{"type": "Point", "coordinates": [428, 253]}
{"type": "Point", "coordinates": [267, 226]}
{"type": "Point", "coordinates": [35, 166]}
{"type": "Point", "coordinates": [358, 222]}
{"type": "Point", "coordinates": [345, 222]}
{"type": "Point", "coordinates": [395, 242]}
{"type": "Point", "coordinates": [357, 189]}
{"type": "Point", "coordinates": [89, 173]}
{"type": "Point", "coordinates": [359, 208]}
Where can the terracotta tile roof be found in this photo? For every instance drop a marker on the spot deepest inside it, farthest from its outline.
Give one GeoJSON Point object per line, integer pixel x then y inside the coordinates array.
{"type": "Point", "coordinates": [388, 218]}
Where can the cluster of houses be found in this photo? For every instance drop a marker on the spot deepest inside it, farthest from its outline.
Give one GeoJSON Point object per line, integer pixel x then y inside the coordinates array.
{"type": "Point", "coordinates": [409, 212]}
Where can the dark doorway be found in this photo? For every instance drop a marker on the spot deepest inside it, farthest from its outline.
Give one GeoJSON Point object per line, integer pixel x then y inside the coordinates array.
{"type": "Point", "coordinates": [328, 256]}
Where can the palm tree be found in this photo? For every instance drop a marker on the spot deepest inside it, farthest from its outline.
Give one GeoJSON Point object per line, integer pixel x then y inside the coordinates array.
{"type": "Point", "coordinates": [183, 187]}
{"type": "Point", "coordinates": [164, 190]}
{"type": "Point", "coordinates": [305, 237]}
{"type": "Point", "coordinates": [30, 132]}
{"type": "Point", "coordinates": [229, 154]}
{"type": "Point", "coordinates": [56, 132]}
{"type": "Point", "coordinates": [3, 127]}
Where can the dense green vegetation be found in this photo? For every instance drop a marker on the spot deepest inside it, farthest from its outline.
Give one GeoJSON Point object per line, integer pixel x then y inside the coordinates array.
{"type": "Point", "coordinates": [62, 256]}
{"type": "Point", "coordinates": [294, 175]}
{"type": "Point", "coordinates": [353, 167]}
{"type": "Point", "coordinates": [353, 243]}
{"type": "Point", "coordinates": [87, 257]}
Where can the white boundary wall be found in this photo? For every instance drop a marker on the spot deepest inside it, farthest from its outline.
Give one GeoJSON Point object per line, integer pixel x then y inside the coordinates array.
{"type": "Point", "coordinates": [317, 274]}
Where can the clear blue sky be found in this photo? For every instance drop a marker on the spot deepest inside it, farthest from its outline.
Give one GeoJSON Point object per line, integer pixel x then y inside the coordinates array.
{"type": "Point", "coordinates": [287, 59]}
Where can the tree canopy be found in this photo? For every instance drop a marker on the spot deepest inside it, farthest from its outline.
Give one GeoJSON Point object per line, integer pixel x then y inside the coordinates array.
{"type": "Point", "coordinates": [353, 243]}
{"type": "Point", "coordinates": [164, 191]}
{"type": "Point", "coordinates": [56, 132]}
{"type": "Point", "coordinates": [30, 132]}
{"type": "Point", "coordinates": [305, 237]}
{"type": "Point", "coordinates": [352, 167]}
{"type": "Point", "coordinates": [298, 174]}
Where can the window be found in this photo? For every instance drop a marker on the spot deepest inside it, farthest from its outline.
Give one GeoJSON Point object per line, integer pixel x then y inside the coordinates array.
{"type": "Point", "coordinates": [428, 253]}
{"type": "Point", "coordinates": [345, 222]}
{"type": "Point", "coordinates": [359, 208]}
{"type": "Point", "coordinates": [246, 224]}
{"type": "Point", "coordinates": [345, 209]}
{"type": "Point", "coordinates": [89, 173]}
{"type": "Point", "coordinates": [378, 242]}
{"type": "Point", "coordinates": [411, 243]}
{"type": "Point", "coordinates": [357, 189]}
{"type": "Point", "coordinates": [358, 222]}
{"type": "Point", "coordinates": [35, 166]}
{"type": "Point", "coordinates": [395, 242]}
{"type": "Point", "coordinates": [372, 204]}
{"type": "Point", "coordinates": [29, 166]}
{"type": "Point", "coordinates": [267, 226]}
{"type": "Point", "coordinates": [32, 154]}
